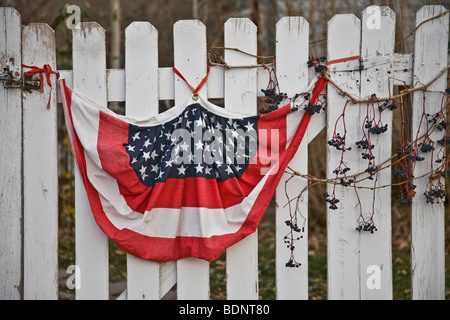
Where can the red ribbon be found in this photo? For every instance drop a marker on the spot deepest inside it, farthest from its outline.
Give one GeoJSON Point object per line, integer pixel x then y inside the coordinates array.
{"type": "Point", "coordinates": [343, 60]}
{"type": "Point", "coordinates": [48, 71]}
{"type": "Point", "coordinates": [202, 83]}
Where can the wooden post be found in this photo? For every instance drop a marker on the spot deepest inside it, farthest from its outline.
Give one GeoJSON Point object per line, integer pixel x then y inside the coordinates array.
{"type": "Point", "coordinates": [190, 60]}
{"type": "Point", "coordinates": [428, 224]}
{"type": "Point", "coordinates": [376, 248]}
{"type": "Point", "coordinates": [11, 197]}
{"type": "Point", "coordinates": [141, 102]}
{"type": "Point", "coordinates": [240, 96]}
{"type": "Point", "coordinates": [91, 244]}
{"type": "Point", "coordinates": [292, 54]}
{"type": "Point", "coordinates": [40, 169]}
{"type": "Point", "coordinates": [342, 239]}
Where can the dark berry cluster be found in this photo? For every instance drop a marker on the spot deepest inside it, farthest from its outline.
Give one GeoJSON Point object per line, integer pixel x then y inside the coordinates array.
{"type": "Point", "coordinates": [401, 173]}
{"type": "Point", "coordinates": [435, 195]}
{"type": "Point", "coordinates": [371, 170]}
{"type": "Point", "coordinates": [346, 182]}
{"type": "Point", "coordinates": [341, 170]}
{"type": "Point", "coordinates": [364, 144]}
{"type": "Point", "coordinates": [444, 141]}
{"type": "Point", "coordinates": [273, 99]}
{"type": "Point", "coordinates": [378, 129]}
{"type": "Point", "coordinates": [312, 109]}
{"type": "Point", "coordinates": [338, 142]}
{"type": "Point", "coordinates": [292, 264]}
{"type": "Point", "coordinates": [367, 226]}
{"type": "Point", "coordinates": [332, 201]}
{"type": "Point", "coordinates": [416, 157]}
{"type": "Point", "coordinates": [447, 91]}
{"type": "Point", "coordinates": [318, 64]}
{"type": "Point", "coordinates": [391, 105]}
{"type": "Point", "coordinates": [294, 227]}
{"type": "Point", "coordinates": [427, 147]}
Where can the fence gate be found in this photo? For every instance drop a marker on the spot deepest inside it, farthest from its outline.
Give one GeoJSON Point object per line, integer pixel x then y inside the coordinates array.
{"type": "Point", "coordinates": [29, 162]}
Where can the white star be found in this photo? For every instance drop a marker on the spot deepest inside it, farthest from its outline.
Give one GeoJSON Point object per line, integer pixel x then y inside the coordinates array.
{"type": "Point", "coordinates": [155, 168]}
{"type": "Point", "coordinates": [168, 135]}
{"type": "Point", "coordinates": [144, 176]}
{"type": "Point", "coordinates": [147, 143]}
{"type": "Point", "coordinates": [188, 123]}
{"type": "Point", "coordinates": [130, 148]}
{"type": "Point", "coordinates": [199, 145]}
{"type": "Point", "coordinates": [136, 136]}
{"type": "Point", "coordinates": [249, 126]}
{"type": "Point", "coordinates": [198, 122]}
{"type": "Point", "coordinates": [146, 155]}
{"type": "Point", "coordinates": [160, 174]}
{"type": "Point", "coordinates": [199, 168]}
{"type": "Point", "coordinates": [154, 154]}
{"type": "Point", "coordinates": [208, 170]}
{"type": "Point", "coordinates": [182, 170]}
{"type": "Point", "coordinates": [228, 170]}
{"type": "Point", "coordinates": [162, 147]}
{"type": "Point", "coordinates": [184, 146]}
{"type": "Point", "coordinates": [142, 170]}
{"type": "Point", "coordinates": [238, 168]}
{"type": "Point", "coordinates": [134, 160]}
{"type": "Point", "coordinates": [169, 163]}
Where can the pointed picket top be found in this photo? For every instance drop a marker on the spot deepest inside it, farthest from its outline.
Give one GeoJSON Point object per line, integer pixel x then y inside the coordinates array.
{"type": "Point", "coordinates": [141, 68]}
{"type": "Point", "coordinates": [377, 42]}
{"type": "Point", "coordinates": [428, 219]}
{"type": "Point", "coordinates": [189, 57]}
{"type": "Point", "coordinates": [40, 186]}
{"type": "Point", "coordinates": [240, 96]}
{"type": "Point", "coordinates": [10, 162]}
{"type": "Point", "coordinates": [344, 40]}
{"type": "Point", "coordinates": [91, 244]}
{"type": "Point", "coordinates": [292, 54]}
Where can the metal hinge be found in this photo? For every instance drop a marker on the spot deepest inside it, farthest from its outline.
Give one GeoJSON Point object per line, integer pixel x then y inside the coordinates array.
{"type": "Point", "coordinates": [11, 76]}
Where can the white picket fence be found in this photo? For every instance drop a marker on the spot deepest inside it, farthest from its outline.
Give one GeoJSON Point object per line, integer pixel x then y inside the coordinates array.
{"type": "Point", "coordinates": [28, 156]}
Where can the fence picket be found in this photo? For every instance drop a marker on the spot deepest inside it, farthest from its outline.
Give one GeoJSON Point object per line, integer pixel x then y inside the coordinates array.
{"type": "Point", "coordinates": [375, 249]}
{"type": "Point", "coordinates": [40, 170]}
{"type": "Point", "coordinates": [427, 220]}
{"type": "Point", "coordinates": [342, 239]}
{"type": "Point", "coordinates": [240, 96]}
{"type": "Point", "coordinates": [141, 88]}
{"type": "Point", "coordinates": [292, 54]}
{"type": "Point", "coordinates": [10, 161]}
{"type": "Point", "coordinates": [190, 60]}
{"type": "Point", "coordinates": [91, 244]}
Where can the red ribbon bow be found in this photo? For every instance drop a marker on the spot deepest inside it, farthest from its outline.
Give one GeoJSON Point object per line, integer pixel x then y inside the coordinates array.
{"type": "Point", "coordinates": [48, 71]}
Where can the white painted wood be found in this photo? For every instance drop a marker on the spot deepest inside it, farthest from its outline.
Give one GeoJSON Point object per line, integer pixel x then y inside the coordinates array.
{"type": "Point", "coordinates": [375, 248]}
{"type": "Point", "coordinates": [91, 244]}
{"type": "Point", "coordinates": [10, 162]}
{"type": "Point", "coordinates": [342, 239]}
{"type": "Point", "coordinates": [292, 54]}
{"type": "Point", "coordinates": [141, 87]}
{"type": "Point", "coordinates": [240, 96]}
{"type": "Point", "coordinates": [427, 220]}
{"type": "Point", "coordinates": [190, 60]}
{"type": "Point", "coordinates": [115, 81]}
{"type": "Point", "coordinates": [40, 170]}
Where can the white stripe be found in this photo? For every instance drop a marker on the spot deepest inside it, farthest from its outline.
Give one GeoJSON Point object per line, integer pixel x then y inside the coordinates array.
{"type": "Point", "coordinates": [159, 222]}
